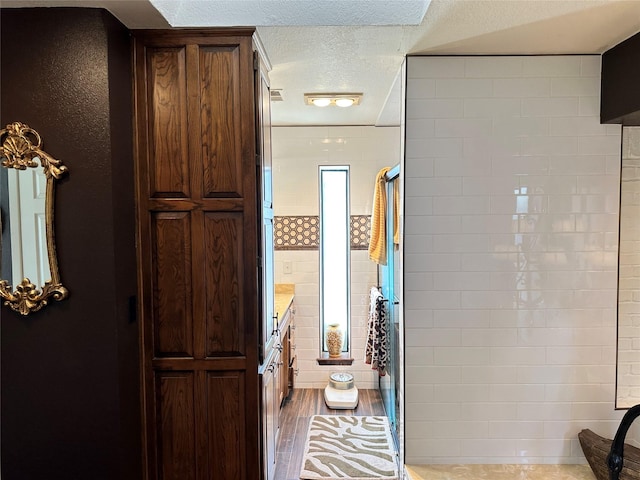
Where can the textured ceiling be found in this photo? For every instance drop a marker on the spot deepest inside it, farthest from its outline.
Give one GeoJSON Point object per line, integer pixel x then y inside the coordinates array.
{"type": "Point", "coordinates": [197, 13]}
{"type": "Point", "coordinates": [366, 58]}
{"type": "Point", "coordinates": [526, 26]}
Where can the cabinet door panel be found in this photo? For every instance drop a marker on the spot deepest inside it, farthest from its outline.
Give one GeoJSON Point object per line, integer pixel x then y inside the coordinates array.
{"type": "Point", "coordinates": [226, 424]}
{"type": "Point", "coordinates": [167, 111]}
{"type": "Point", "coordinates": [175, 404]}
{"type": "Point", "coordinates": [223, 264]}
{"type": "Point", "coordinates": [172, 313]}
{"type": "Point", "coordinates": [220, 121]}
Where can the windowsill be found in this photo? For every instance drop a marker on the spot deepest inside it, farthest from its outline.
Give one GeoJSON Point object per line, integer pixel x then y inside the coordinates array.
{"type": "Point", "coordinates": [344, 359]}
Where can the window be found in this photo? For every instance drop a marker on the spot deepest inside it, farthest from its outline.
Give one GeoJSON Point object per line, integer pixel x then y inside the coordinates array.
{"type": "Point", "coordinates": [334, 251]}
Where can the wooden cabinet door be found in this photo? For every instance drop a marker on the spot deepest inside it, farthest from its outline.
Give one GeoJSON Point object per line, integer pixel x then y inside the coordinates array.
{"type": "Point", "coordinates": [197, 253]}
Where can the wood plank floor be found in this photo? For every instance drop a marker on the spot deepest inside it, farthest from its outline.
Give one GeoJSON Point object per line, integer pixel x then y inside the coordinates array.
{"type": "Point", "coordinates": [301, 405]}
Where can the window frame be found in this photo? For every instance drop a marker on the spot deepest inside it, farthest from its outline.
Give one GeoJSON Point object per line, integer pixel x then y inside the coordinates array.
{"type": "Point", "coordinates": [324, 323]}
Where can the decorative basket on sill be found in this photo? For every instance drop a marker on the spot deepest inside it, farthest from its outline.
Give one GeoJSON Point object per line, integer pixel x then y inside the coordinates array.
{"type": "Point", "coordinates": [333, 337]}
{"type": "Point", "coordinates": [612, 459]}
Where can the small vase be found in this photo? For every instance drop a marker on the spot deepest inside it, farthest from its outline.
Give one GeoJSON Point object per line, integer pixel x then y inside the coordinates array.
{"type": "Point", "coordinates": [334, 340]}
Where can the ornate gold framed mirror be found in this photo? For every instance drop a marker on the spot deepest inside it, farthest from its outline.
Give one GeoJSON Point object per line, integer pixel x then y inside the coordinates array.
{"type": "Point", "coordinates": [27, 213]}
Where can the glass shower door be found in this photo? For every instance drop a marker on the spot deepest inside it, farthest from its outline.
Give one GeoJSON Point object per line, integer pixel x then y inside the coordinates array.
{"type": "Point", "coordinates": [389, 283]}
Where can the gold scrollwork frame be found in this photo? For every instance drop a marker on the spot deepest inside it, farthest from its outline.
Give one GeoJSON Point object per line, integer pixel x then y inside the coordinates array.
{"type": "Point", "coordinates": [20, 149]}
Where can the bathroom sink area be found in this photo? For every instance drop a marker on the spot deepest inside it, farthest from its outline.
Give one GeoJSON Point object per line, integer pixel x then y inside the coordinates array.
{"type": "Point", "coordinates": [284, 293]}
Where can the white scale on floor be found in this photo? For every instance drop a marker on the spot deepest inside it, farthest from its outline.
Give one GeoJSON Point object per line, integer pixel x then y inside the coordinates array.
{"type": "Point", "coordinates": [341, 393]}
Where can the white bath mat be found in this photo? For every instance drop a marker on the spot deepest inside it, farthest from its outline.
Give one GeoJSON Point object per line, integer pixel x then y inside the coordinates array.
{"type": "Point", "coordinates": [349, 447]}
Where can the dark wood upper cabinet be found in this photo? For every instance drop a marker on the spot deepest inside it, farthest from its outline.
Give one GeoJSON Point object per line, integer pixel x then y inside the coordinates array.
{"type": "Point", "coordinates": [199, 128]}
{"type": "Point", "coordinates": [619, 94]}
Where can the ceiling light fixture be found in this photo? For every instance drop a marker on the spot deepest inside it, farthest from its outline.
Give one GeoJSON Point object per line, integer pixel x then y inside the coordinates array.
{"type": "Point", "coordinates": [344, 102]}
{"type": "Point", "coordinates": [321, 102]}
{"type": "Point", "coordinates": [337, 99]}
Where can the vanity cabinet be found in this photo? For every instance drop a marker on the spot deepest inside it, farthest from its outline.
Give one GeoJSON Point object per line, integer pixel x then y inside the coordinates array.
{"type": "Point", "coordinates": [275, 384]}
{"type": "Point", "coordinates": [198, 142]}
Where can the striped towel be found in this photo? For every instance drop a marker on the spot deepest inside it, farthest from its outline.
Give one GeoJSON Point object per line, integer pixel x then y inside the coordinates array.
{"type": "Point", "coordinates": [376, 347]}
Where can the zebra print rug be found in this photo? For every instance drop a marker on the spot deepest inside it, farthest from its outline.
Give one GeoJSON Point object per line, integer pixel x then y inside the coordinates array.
{"type": "Point", "coordinates": [341, 446]}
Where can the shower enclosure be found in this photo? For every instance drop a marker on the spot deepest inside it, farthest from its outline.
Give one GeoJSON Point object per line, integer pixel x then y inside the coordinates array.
{"type": "Point", "coordinates": [389, 276]}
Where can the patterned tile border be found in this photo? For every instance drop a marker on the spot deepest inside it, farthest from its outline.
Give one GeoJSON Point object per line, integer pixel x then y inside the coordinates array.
{"type": "Point", "coordinates": [360, 229]}
{"type": "Point", "coordinates": [303, 232]}
{"type": "Point", "coordinates": [296, 232]}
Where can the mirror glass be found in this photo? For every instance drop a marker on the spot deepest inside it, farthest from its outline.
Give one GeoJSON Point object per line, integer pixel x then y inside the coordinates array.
{"type": "Point", "coordinates": [29, 270]}
{"type": "Point", "coordinates": [27, 227]}
{"type": "Point", "coordinates": [628, 354]}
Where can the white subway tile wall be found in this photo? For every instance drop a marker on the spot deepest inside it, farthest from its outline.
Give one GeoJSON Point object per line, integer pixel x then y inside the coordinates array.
{"type": "Point", "coordinates": [511, 221]}
{"type": "Point", "coordinates": [628, 391]}
{"type": "Point", "coordinates": [297, 153]}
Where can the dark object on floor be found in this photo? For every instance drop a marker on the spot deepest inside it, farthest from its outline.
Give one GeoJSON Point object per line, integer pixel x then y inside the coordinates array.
{"type": "Point", "coordinates": [612, 459]}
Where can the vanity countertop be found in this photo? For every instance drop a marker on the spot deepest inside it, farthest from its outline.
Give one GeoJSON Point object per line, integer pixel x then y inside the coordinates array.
{"type": "Point", "coordinates": [284, 293]}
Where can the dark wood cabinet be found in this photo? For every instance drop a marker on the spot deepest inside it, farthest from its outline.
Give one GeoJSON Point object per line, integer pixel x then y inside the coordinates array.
{"type": "Point", "coordinates": [197, 139]}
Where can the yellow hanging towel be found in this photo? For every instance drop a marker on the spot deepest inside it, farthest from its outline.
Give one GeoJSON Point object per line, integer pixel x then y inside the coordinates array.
{"type": "Point", "coordinates": [377, 237]}
{"type": "Point", "coordinates": [396, 212]}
